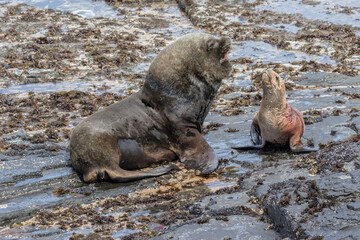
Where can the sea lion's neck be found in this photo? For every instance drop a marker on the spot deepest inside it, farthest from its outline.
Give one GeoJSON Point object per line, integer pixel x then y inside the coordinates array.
{"type": "Point", "coordinates": [184, 106]}
{"type": "Point", "coordinates": [273, 101]}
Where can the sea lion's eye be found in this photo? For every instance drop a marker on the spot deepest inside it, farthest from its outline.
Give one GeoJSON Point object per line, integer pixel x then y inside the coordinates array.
{"type": "Point", "coordinates": [211, 44]}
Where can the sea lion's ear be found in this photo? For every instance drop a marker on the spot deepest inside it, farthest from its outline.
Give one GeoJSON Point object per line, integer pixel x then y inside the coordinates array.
{"type": "Point", "coordinates": [211, 44]}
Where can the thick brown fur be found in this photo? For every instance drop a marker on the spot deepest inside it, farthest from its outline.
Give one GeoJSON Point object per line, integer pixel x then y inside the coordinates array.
{"type": "Point", "coordinates": [162, 122]}
{"type": "Point", "coordinates": [277, 124]}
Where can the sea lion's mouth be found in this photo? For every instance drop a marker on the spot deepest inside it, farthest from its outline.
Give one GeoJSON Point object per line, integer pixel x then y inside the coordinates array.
{"type": "Point", "coordinates": [269, 73]}
{"type": "Point", "coordinates": [224, 59]}
{"type": "Point", "coordinates": [226, 51]}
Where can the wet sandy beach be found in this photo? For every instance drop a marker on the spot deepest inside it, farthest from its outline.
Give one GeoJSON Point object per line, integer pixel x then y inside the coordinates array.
{"type": "Point", "coordinates": [62, 61]}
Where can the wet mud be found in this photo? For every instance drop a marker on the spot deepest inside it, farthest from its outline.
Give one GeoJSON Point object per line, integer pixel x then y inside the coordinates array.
{"type": "Point", "coordinates": [61, 62]}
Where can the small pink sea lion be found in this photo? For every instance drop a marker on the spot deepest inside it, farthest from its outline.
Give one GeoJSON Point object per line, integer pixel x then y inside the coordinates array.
{"type": "Point", "coordinates": [277, 125]}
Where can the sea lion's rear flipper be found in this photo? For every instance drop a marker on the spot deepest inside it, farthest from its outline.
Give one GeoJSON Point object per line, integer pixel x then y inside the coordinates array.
{"type": "Point", "coordinates": [301, 149]}
{"type": "Point", "coordinates": [255, 133]}
{"type": "Point", "coordinates": [120, 175]}
{"type": "Point", "coordinates": [251, 147]}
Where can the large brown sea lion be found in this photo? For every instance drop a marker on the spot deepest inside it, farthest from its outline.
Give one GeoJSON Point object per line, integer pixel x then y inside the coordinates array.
{"type": "Point", "coordinates": [277, 125]}
{"type": "Point", "coordinates": [161, 122]}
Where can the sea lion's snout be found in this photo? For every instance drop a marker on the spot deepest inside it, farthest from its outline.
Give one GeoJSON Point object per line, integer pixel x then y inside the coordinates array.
{"type": "Point", "coordinates": [273, 85]}
{"type": "Point", "coordinates": [266, 79]}
{"type": "Point", "coordinates": [272, 80]}
{"type": "Point", "coordinates": [266, 76]}
{"type": "Point", "coordinates": [270, 76]}
{"type": "Point", "coordinates": [225, 44]}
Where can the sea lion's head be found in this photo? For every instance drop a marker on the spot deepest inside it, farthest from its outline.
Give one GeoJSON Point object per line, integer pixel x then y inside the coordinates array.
{"type": "Point", "coordinates": [196, 60]}
{"type": "Point", "coordinates": [273, 86]}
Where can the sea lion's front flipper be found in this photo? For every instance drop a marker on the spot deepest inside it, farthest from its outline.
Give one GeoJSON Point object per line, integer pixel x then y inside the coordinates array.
{"type": "Point", "coordinates": [256, 138]}
{"type": "Point", "coordinates": [195, 152]}
{"type": "Point", "coordinates": [120, 175]}
{"type": "Point", "coordinates": [255, 133]}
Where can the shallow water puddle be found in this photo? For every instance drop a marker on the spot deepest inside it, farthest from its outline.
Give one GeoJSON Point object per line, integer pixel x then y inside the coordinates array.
{"type": "Point", "coordinates": [337, 12]}
{"type": "Point", "coordinates": [267, 53]}
{"type": "Point", "coordinates": [123, 233]}
{"type": "Point", "coordinates": [29, 202]}
{"type": "Point", "coordinates": [215, 185]}
{"type": "Point", "coordinates": [84, 8]}
{"type": "Point", "coordinates": [83, 86]}
{"type": "Point", "coordinates": [48, 174]}
{"type": "Point", "coordinates": [284, 27]}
